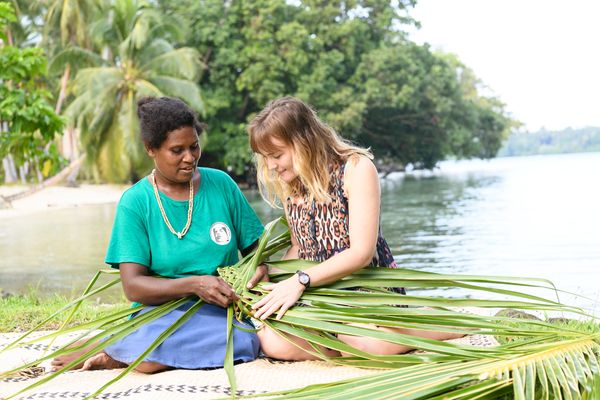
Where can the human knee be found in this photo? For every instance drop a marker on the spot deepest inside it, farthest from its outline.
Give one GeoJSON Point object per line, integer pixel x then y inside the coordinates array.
{"type": "Point", "coordinates": [373, 346]}
{"type": "Point", "coordinates": [356, 342]}
{"type": "Point", "coordinates": [280, 350]}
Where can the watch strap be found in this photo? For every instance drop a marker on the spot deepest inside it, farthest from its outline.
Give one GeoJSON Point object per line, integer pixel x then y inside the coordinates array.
{"type": "Point", "coordinates": [303, 278]}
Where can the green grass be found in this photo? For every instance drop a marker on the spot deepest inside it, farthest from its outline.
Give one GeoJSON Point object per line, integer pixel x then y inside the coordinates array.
{"type": "Point", "coordinates": [22, 312]}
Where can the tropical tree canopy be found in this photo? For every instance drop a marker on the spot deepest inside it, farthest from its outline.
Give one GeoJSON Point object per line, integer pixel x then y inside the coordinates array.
{"type": "Point", "coordinates": [28, 123]}
{"type": "Point", "coordinates": [351, 60]}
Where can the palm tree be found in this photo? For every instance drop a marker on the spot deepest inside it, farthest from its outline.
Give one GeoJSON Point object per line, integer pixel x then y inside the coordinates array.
{"type": "Point", "coordinates": [138, 60]}
{"type": "Point", "coordinates": [65, 34]}
{"type": "Point", "coordinates": [70, 20]}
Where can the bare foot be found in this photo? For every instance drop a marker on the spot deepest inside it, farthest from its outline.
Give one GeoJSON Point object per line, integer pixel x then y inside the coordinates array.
{"type": "Point", "coordinates": [63, 360]}
{"type": "Point", "coordinates": [102, 361]}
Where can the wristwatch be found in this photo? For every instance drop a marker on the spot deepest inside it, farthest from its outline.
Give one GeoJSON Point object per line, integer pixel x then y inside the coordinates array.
{"type": "Point", "coordinates": [303, 278]}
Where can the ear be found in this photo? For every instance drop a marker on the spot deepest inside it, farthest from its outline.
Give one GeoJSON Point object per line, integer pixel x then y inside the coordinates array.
{"type": "Point", "coordinates": [151, 152]}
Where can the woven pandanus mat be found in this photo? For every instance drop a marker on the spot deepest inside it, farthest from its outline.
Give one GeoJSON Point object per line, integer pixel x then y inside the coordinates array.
{"type": "Point", "coordinates": [256, 377]}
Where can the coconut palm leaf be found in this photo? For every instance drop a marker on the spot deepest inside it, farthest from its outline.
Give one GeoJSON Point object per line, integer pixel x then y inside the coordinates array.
{"type": "Point", "coordinates": [181, 63]}
{"type": "Point", "coordinates": [70, 18]}
{"type": "Point", "coordinates": [548, 361]}
{"type": "Point", "coordinates": [107, 337]}
{"type": "Point", "coordinates": [74, 56]}
{"type": "Point", "coordinates": [184, 89]}
{"type": "Point", "coordinates": [161, 338]}
{"type": "Point", "coordinates": [229, 350]}
{"type": "Point", "coordinates": [532, 374]}
{"type": "Point", "coordinates": [157, 47]}
{"type": "Point", "coordinates": [88, 292]}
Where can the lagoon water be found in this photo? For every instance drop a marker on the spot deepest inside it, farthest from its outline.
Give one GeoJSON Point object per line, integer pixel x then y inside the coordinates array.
{"type": "Point", "coordinates": [533, 216]}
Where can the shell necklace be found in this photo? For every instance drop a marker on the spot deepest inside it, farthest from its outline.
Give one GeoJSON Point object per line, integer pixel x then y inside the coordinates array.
{"type": "Point", "coordinates": [181, 234]}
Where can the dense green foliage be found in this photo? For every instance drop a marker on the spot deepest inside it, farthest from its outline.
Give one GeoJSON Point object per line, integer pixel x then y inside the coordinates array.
{"type": "Point", "coordinates": [351, 60]}
{"type": "Point", "coordinates": [552, 142]}
{"type": "Point", "coordinates": [28, 122]}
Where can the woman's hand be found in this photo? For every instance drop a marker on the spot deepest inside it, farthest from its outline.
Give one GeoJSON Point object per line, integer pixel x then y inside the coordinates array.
{"type": "Point", "coordinates": [283, 296]}
{"type": "Point", "coordinates": [214, 290]}
{"type": "Point", "coordinates": [260, 275]}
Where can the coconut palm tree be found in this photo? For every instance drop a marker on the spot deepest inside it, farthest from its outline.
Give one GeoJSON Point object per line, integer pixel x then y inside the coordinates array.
{"type": "Point", "coordinates": [139, 60]}
{"type": "Point", "coordinates": [69, 20]}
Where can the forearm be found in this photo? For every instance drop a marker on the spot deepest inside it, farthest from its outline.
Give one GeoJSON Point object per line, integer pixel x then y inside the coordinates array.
{"type": "Point", "coordinates": [249, 249]}
{"type": "Point", "coordinates": [150, 290]}
{"type": "Point", "coordinates": [291, 253]}
{"type": "Point", "coordinates": [339, 266]}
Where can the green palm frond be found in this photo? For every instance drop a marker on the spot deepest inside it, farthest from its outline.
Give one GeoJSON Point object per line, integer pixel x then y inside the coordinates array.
{"type": "Point", "coordinates": [74, 56]}
{"type": "Point", "coordinates": [70, 18]}
{"type": "Point", "coordinates": [154, 49]}
{"type": "Point", "coordinates": [184, 89]}
{"type": "Point", "coordinates": [93, 80]}
{"type": "Point", "coordinates": [547, 362]}
{"type": "Point", "coordinates": [128, 127]}
{"type": "Point", "coordinates": [181, 63]}
{"type": "Point", "coordinates": [146, 88]}
{"type": "Point", "coordinates": [87, 293]}
{"type": "Point", "coordinates": [161, 338]}
{"type": "Point", "coordinates": [534, 374]}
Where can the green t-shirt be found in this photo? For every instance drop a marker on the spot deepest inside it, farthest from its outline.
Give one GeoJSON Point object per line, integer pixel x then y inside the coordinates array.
{"type": "Point", "coordinates": [222, 223]}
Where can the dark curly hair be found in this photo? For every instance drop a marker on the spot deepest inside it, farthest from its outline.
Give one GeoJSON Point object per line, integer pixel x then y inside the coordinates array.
{"type": "Point", "coordinates": [161, 115]}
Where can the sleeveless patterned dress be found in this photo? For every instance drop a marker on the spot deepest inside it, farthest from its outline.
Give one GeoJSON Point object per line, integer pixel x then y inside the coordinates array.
{"type": "Point", "coordinates": [321, 228]}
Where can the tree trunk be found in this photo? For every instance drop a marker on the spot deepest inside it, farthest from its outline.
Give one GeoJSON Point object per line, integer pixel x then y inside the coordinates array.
{"type": "Point", "coordinates": [63, 89]}
{"type": "Point", "coordinates": [48, 182]}
{"type": "Point", "coordinates": [38, 172]}
{"type": "Point", "coordinates": [65, 141]}
{"type": "Point", "coordinates": [73, 140]}
{"type": "Point", "coordinates": [23, 171]}
{"type": "Point", "coordinates": [10, 172]}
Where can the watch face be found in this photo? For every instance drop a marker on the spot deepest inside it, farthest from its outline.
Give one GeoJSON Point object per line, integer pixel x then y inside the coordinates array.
{"type": "Point", "coordinates": [304, 279]}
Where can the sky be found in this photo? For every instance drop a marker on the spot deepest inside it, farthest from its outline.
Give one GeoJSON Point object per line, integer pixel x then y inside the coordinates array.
{"type": "Point", "coordinates": [541, 58]}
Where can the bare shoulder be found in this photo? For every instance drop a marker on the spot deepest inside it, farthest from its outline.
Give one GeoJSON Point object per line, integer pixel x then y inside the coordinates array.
{"type": "Point", "coordinates": [359, 165]}
{"type": "Point", "coordinates": [360, 173]}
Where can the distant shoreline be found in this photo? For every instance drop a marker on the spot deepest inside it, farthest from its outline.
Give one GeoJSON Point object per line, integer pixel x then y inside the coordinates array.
{"type": "Point", "coordinates": [57, 197]}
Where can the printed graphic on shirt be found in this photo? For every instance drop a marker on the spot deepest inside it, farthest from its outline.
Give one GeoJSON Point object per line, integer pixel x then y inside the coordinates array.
{"type": "Point", "coordinates": [220, 233]}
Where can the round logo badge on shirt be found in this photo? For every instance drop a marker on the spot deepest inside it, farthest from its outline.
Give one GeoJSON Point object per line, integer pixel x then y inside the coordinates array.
{"type": "Point", "coordinates": [220, 233]}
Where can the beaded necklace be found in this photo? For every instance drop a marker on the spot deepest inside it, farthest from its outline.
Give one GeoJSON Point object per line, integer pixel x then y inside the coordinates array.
{"type": "Point", "coordinates": [181, 234]}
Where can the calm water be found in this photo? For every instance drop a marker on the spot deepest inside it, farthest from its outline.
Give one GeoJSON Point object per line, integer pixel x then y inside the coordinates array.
{"type": "Point", "coordinates": [526, 216]}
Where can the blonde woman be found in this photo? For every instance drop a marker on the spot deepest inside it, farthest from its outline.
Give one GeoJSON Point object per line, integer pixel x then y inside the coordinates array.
{"type": "Point", "coordinates": [330, 191]}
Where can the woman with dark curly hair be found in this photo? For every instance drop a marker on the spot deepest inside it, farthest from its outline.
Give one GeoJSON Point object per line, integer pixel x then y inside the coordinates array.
{"type": "Point", "coordinates": [180, 222]}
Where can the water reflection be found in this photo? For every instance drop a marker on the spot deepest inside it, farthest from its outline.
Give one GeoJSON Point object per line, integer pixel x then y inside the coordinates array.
{"type": "Point", "coordinates": [420, 217]}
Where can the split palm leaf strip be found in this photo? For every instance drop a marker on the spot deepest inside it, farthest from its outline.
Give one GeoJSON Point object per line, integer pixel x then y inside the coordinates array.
{"type": "Point", "coordinates": [97, 335]}
{"type": "Point", "coordinates": [324, 312]}
{"type": "Point", "coordinates": [515, 370]}
{"type": "Point", "coordinates": [561, 370]}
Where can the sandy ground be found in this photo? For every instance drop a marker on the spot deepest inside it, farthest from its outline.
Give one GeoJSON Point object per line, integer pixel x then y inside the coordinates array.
{"type": "Point", "coordinates": [60, 197]}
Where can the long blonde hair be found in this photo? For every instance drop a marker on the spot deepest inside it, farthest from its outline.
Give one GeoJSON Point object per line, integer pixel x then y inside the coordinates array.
{"type": "Point", "coordinates": [315, 147]}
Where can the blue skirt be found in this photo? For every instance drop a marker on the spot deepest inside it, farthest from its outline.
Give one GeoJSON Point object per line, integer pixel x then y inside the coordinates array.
{"type": "Point", "coordinates": [199, 343]}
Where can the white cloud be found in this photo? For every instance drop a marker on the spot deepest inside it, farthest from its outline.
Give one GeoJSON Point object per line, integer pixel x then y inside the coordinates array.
{"type": "Point", "coordinates": [541, 58]}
